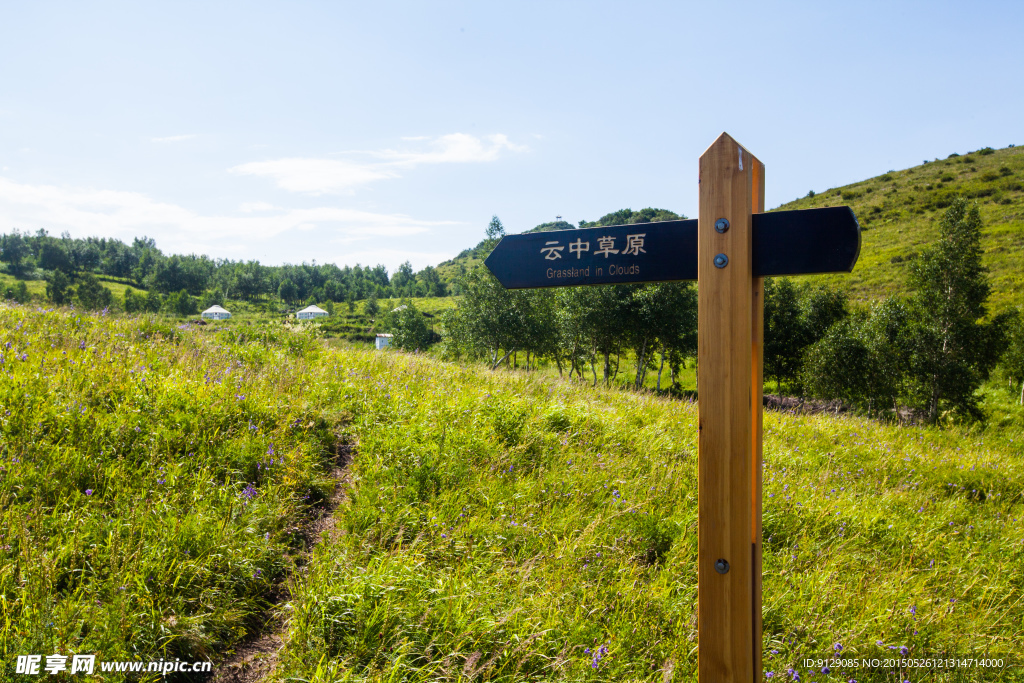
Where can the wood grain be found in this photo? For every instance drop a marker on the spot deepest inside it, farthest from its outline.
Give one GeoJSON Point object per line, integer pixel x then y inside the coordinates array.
{"type": "Point", "coordinates": [728, 425]}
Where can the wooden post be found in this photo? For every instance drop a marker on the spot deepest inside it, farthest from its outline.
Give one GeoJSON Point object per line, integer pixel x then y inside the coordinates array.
{"type": "Point", "coordinates": [729, 358]}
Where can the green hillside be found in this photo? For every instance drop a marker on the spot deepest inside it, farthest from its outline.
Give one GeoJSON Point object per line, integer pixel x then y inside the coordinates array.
{"type": "Point", "coordinates": [162, 487]}
{"type": "Point", "coordinates": [899, 213]}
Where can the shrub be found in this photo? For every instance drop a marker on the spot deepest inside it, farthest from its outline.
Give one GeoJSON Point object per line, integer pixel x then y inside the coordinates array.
{"type": "Point", "coordinates": [92, 295]}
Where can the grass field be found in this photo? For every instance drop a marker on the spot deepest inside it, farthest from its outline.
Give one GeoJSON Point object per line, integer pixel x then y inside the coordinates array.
{"type": "Point", "coordinates": [498, 526]}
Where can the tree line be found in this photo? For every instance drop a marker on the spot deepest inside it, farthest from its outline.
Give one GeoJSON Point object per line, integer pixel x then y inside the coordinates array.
{"type": "Point", "coordinates": [65, 261]}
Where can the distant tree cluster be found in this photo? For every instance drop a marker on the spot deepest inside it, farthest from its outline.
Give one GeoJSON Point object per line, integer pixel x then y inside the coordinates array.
{"type": "Point", "coordinates": [68, 264]}
{"type": "Point", "coordinates": [930, 351]}
{"type": "Point", "coordinates": [577, 328]}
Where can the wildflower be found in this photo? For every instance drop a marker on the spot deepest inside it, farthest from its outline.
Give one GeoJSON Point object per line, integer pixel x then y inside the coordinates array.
{"type": "Point", "coordinates": [904, 651]}
{"type": "Point", "coordinates": [88, 492]}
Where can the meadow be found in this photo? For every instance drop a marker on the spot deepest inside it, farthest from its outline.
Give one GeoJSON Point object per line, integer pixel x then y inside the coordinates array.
{"type": "Point", "coordinates": [155, 480]}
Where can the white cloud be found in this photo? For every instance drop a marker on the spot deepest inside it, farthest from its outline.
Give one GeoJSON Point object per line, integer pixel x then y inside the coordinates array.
{"type": "Point", "coordinates": [320, 176]}
{"type": "Point", "coordinates": [249, 207]}
{"type": "Point", "coordinates": [315, 176]}
{"type": "Point", "coordinates": [458, 148]}
{"type": "Point", "coordinates": [125, 215]}
{"type": "Point", "coordinates": [173, 138]}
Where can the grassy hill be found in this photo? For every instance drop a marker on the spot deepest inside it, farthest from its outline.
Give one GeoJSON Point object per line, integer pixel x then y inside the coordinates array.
{"type": "Point", "coordinates": [157, 482]}
{"type": "Point", "coordinates": [899, 213]}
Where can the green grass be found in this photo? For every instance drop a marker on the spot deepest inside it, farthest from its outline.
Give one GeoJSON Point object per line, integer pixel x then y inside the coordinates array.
{"type": "Point", "coordinates": [497, 525]}
{"type": "Point", "coordinates": [502, 524]}
{"type": "Point", "coordinates": [899, 213]}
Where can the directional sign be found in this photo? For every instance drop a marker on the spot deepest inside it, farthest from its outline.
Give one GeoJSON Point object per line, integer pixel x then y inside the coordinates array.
{"type": "Point", "coordinates": [730, 323]}
{"type": "Point", "coordinates": [785, 243]}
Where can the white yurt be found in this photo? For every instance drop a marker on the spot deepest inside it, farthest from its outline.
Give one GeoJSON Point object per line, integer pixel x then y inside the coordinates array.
{"type": "Point", "coordinates": [383, 341]}
{"type": "Point", "coordinates": [216, 313]}
{"type": "Point", "coordinates": [310, 312]}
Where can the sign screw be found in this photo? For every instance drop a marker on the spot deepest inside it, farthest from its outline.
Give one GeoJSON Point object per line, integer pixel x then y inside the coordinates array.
{"type": "Point", "coordinates": [721, 261]}
{"type": "Point", "coordinates": [722, 566]}
{"type": "Point", "coordinates": [722, 224]}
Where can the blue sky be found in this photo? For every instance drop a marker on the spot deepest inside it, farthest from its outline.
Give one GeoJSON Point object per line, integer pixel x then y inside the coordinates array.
{"type": "Point", "coordinates": [380, 132]}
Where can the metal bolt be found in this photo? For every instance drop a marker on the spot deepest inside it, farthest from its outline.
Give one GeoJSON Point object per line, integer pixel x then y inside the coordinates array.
{"type": "Point", "coordinates": [721, 261]}
{"type": "Point", "coordinates": [722, 566]}
{"type": "Point", "coordinates": [722, 224]}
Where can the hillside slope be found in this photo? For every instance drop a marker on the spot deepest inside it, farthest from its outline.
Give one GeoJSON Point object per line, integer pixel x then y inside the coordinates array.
{"type": "Point", "coordinates": [899, 213]}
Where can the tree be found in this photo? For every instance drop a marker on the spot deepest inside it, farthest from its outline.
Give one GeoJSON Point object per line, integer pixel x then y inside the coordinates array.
{"type": "Point", "coordinates": [53, 256]}
{"type": "Point", "coordinates": [287, 291]}
{"type": "Point", "coordinates": [409, 329]}
{"type": "Point", "coordinates": [181, 303]}
{"type": "Point", "coordinates": [18, 292]}
{"type": "Point", "coordinates": [15, 252]}
{"type": "Point", "coordinates": [783, 330]}
{"type": "Point", "coordinates": [371, 307]}
{"type": "Point", "coordinates": [954, 350]}
{"type": "Point", "coordinates": [91, 294]}
{"type": "Point", "coordinates": [402, 279]}
{"type": "Point", "coordinates": [133, 303]}
{"type": "Point", "coordinates": [495, 231]}
{"type": "Point", "coordinates": [57, 288]}
{"type": "Point", "coordinates": [862, 360]}
{"type": "Point", "coordinates": [487, 320]}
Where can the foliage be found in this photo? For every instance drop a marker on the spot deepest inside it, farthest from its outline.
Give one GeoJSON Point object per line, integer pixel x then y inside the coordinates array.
{"type": "Point", "coordinates": [953, 349]}
{"type": "Point", "coordinates": [15, 251]}
{"type": "Point", "coordinates": [409, 329]}
{"type": "Point", "coordinates": [57, 288]}
{"type": "Point", "coordinates": [863, 360]}
{"type": "Point", "coordinates": [287, 291]}
{"type": "Point", "coordinates": [91, 295]}
{"type": "Point", "coordinates": [18, 293]}
{"type": "Point", "coordinates": [181, 304]}
{"type": "Point", "coordinates": [796, 317]}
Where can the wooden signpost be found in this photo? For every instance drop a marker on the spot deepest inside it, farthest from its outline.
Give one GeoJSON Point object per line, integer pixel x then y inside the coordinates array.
{"type": "Point", "coordinates": [729, 250]}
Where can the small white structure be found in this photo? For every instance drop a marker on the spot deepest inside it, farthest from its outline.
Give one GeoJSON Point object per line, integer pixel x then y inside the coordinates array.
{"type": "Point", "coordinates": [215, 313]}
{"type": "Point", "coordinates": [383, 341]}
{"type": "Point", "coordinates": [310, 312]}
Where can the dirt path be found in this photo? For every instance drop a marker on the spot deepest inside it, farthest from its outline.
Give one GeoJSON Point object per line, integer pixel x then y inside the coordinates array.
{"type": "Point", "coordinates": [255, 658]}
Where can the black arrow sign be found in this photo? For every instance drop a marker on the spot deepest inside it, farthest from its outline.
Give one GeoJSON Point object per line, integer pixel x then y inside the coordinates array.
{"type": "Point", "coordinates": [785, 243]}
